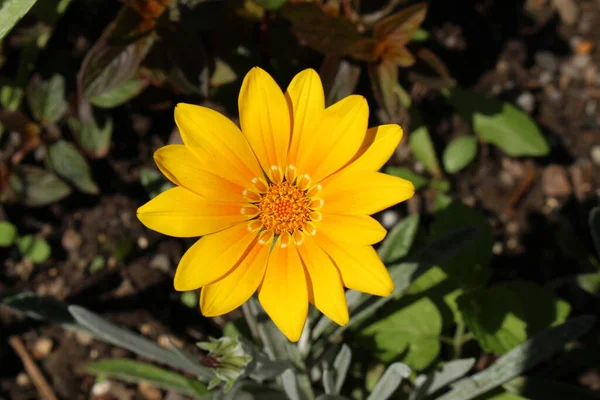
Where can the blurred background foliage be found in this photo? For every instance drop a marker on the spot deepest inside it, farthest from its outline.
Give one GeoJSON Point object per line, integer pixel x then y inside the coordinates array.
{"type": "Point", "coordinates": [494, 259]}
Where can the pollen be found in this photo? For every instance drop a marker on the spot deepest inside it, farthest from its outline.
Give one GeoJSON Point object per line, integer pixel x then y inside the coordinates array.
{"type": "Point", "coordinates": [284, 208]}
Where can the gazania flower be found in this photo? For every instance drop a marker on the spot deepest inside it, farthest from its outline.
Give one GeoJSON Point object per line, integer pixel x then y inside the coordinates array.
{"type": "Point", "coordinates": [283, 204]}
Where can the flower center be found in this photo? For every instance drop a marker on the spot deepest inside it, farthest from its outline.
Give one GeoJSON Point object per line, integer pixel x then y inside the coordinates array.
{"type": "Point", "coordinates": [284, 207]}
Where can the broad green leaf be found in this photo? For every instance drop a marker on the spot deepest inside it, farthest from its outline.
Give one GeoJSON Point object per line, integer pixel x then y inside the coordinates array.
{"type": "Point", "coordinates": [8, 234]}
{"type": "Point", "coordinates": [119, 95]}
{"type": "Point", "coordinates": [506, 315]}
{"type": "Point", "coordinates": [499, 123]}
{"type": "Point", "coordinates": [402, 172]}
{"type": "Point", "coordinates": [91, 138]}
{"type": "Point", "coordinates": [459, 153]}
{"type": "Point", "coordinates": [66, 160]}
{"type": "Point", "coordinates": [136, 372]}
{"type": "Point", "coordinates": [399, 240]}
{"type": "Point", "coordinates": [11, 11]}
{"type": "Point", "coordinates": [441, 377]}
{"type": "Point", "coordinates": [594, 223]}
{"type": "Point", "coordinates": [470, 268]}
{"type": "Point", "coordinates": [324, 33]}
{"type": "Point", "coordinates": [111, 333]}
{"type": "Point", "coordinates": [390, 381]}
{"type": "Point", "coordinates": [443, 291]}
{"type": "Point", "coordinates": [271, 4]}
{"type": "Point", "coordinates": [503, 396]}
{"type": "Point", "coordinates": [384, 82]}
{"type": "Point", "coordinates": [412, 332]}
{"type": "Point", "coordinates": [339, 77]}
{"type": "Point", "coordinates": [522, 358]}
{"type": "Point", "coordinates": [34, 248]}
{"type": "Point", "coordinates": [46, 99]}
{"type": "Point", "coordinates": [36, 187]}
{"type": "Point", "coordinates": [422, 148]}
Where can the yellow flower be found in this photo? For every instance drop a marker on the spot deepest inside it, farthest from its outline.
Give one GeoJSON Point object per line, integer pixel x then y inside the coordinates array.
{"type": "Point", "coordinates": [282, 205]}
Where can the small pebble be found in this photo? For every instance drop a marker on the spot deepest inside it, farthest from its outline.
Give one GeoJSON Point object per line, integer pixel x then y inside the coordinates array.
{"type": "Point", "coordinates": [595, 155]}
{"type": "Point", "coordinates": [498, 248]}
{"type": "Point", "coordinates": [149, 392]}
{"type": "Point", "coordinates": [42, 347]}
{"type": "Point", "coordinates": [71, 240]}
{"type": "Point", "coordinates": [527, 102]}
{"type": "Point", "coordinates": [142, 242]}
{"type": "Point", "coordinates": [389, 219]}
{"type": "Point", "coordinates": [23, 380]}
{"type": "Point", "coordinates": [161, 262]}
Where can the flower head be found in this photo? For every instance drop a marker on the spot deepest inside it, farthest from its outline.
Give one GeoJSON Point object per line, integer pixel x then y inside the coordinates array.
{"type": "Point", "coordinates": [283, 205]}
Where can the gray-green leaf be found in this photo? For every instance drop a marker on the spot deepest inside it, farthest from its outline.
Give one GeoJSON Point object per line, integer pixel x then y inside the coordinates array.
{"type": "Point", "coordinates": [34, 248]}
{"type": "Point", "coordinates": [66, 160]}
{"type": "Point", "coordinates": [423, 150]}
{"type": "Point", "coordinates": [399, 240]}
{"type": "Point", "coordinates": [36, 187]}
{"type": "Point", "coordinates": [119, 95]}
{"type": "Point", "coordinates": [8, 234]}
{"type": "Point", "coordinates": [136, 371]}
{"type": "Point", "coordinates": [459, 153]}
{"type": "Point", "coordinates": [500, 123]}
{"type": "Point", "coordinates": [46, 99]}
{"type": "Point", "coordinates": [11, 11]}
{"type": "Point", "coordinates": [390, 381]}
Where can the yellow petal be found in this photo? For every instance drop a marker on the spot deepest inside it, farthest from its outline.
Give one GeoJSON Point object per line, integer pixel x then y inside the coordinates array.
{"type": "Point", "coordinates": [182, 213]}
{"type": "Point", "coordinates": [306, 99]}
{"type": "Point", "coordinates": [378, 146]}
{"type": "Point", "coordinates": [284, 293]}
{"type": "Point", "coordinates": [180, 166]}
{"type": "Point", "coordinates": [218, 143]}
{"type": "Point", "coordinates": [235, 288]}
{"type": "Point", "coordinates": [360, 266]}
{"type": "Point", "coordinates": [335, 140]}
{"type": "Point", "coordinates": [211, 257]}
{"type": "Point", "coordinates": [327, 292]}
{"type": "Point", "coordinates": [265, 120]}
{"type": "Point", "coordinates": [359, 192]}
{"type": "Point", "coordinates": [354, 229]}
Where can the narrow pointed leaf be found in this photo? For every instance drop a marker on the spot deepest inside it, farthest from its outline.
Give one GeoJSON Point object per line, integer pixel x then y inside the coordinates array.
{"type": "Point", "coordinates": [459, 153]}
{"type": "Point", "coordinates": [136, 372]}
{"type": "Point", "coordinates": [525, 356]}
{"type": "Point", "coordinates": [399, 240]}
{"type": "Point", "coordinates": [390, 381]}
{"type": "Point", "coordinates": [66, 160]}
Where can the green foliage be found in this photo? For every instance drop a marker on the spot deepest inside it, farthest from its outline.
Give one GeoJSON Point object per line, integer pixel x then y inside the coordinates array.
{"type": "Point", "coordinates": [93, 139]}
{"type": "Point", "coordinates": [400, 239]}
{"type": "Point", "coordinates": [11, 11]}
{"type": "Point", "coordinates": [34, 248]}
{"type": "Point", "coordinates": [66, 160]}
{"type": "Point", "coordinates": [423, 150]}
{"type": "Point", "coordinates": [35, 187]}
{"type": "Point", "coordinates": [8, 234]}
{"type": "Point", "coordinates": [136, 371]}
{"type": "Point", "coordinates": [411, 332]}
{"type": "Point", "coordinates": [505, 315]}
{"type": "Point", "coordinates": [271, 4]}
{"type": "Point", "coordinates": [459, 153]}
{"type": "Point", "coordinates": [119, 95]}
{"type": "Point", "coordinates": [470, 267]}
{"type": "Point", "coordinates": [46, 99]}
{"type": "Point", "coordinates": [501, 124]}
